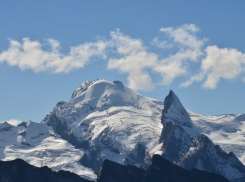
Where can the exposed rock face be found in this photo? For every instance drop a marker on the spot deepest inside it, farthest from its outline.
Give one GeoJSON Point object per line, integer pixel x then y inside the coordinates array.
{"type": "Point", "coordinates": [64, 131]}
{"type": "Point", "coordinates": [5, 127]}
{"type": "Point", "coordinates": [136, 156]}
{"type": "Point", "coordinates": [92, 158]}
{"type": "Point", "coordinates": [194, 151]}
{"type": "Point", "coordinates": [175, 112]}
{"type": "Point", "coordinates": [175, 142]}
{"type": "Point", "coordinates": [20, 171]}
{"type": "Point", "coordinates": [82, 88]}
{"type": "Point", "coordinates": [162, 170]}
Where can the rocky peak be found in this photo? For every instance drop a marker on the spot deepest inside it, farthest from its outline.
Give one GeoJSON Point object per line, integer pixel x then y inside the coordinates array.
{"type": "Point", "coordinates": [83, 87]}
{"type": "Point", "coordinates": [175, 112]}
{"type": "Point", "coordinates": [117, 82]}
{"type": "Point", "coordinates": [5, 126]}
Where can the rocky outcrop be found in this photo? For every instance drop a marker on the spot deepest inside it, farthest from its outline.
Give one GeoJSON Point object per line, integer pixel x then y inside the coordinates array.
{"type": "Point", "coordinates": [94, 156]}
{"type": "Point", "coordinates": [5, 127]}
{"type": "Point", "coordinates": [61, 128]}
{"type": "Point", "coordinates": [136, 156]}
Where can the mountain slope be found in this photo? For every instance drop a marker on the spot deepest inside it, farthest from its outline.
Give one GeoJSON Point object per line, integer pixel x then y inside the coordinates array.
{"type": "Point", "coordinates": [39, 145]}
{"type": "Point", "coordinates": [193, 150]}
{"type": "Point", "coordinates": [109, 121]}
{"type": "Point", "coordinates": [227, 130]}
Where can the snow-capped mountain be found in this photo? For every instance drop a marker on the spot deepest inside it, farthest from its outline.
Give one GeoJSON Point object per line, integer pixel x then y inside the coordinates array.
{"type": "Point", "coordinates": [189, 149]}
{"type": "Point", "coordinates": [105, 120]}
{"type": "Point", "coordinates": [109, 121]}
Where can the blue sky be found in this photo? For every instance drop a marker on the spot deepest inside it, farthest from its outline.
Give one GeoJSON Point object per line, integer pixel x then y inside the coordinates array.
{"type": "Point", "coordinates": [48, 48]}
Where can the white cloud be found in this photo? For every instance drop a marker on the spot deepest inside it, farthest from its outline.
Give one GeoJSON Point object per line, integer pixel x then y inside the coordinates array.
{"type": "Point", "coordinates": [189, 49]}
{"type": "Point", "coordinates": [32, 55]}
{"type": "Point", "coordinates": [185, 36]}
{"type": "Point", "coordinates": [219, 63]}
{"type": "Point", "coordinates": [13, 122]}
{"type": "Point", "coordinates": [169, 69]}
{"type": "Point", "coordinates": [126, 54]}
{"type": "Point", "coordinates": [195, 78]}
{"type": "Point", "coordinates": [133, 58]}
{"type": "Point", "coordinates": [161, 44]}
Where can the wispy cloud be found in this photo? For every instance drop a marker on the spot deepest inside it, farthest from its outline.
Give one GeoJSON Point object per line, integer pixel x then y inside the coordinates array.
{"type": "Point", "coordinates": [185, 36]}
{"type": "Point", "coordinates": [133, 57]}
{"type": "Point", "coordinates": [161, 43]}
{"type": "Point", "coordinates": [13, 122]}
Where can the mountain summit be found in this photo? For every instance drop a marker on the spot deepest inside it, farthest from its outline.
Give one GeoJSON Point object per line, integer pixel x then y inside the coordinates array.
{"type": "Point", "coordinates": [101, 93]}
{"type": "Point", "coordinates": [175, 112]}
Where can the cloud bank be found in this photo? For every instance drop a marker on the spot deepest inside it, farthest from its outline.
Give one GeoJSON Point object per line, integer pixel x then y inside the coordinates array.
{"type": "Point", "coordinates": [180, 47]}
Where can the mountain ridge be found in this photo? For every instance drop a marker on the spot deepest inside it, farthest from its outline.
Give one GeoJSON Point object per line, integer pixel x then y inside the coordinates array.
{"type": "Point", "coordinates": [18, 171]}
{"type": "Point", "coordinates": [159, 170]}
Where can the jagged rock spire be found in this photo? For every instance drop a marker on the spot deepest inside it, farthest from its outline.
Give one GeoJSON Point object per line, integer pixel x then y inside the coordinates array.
{"type": "Point", "coordinates": [174, 111]}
